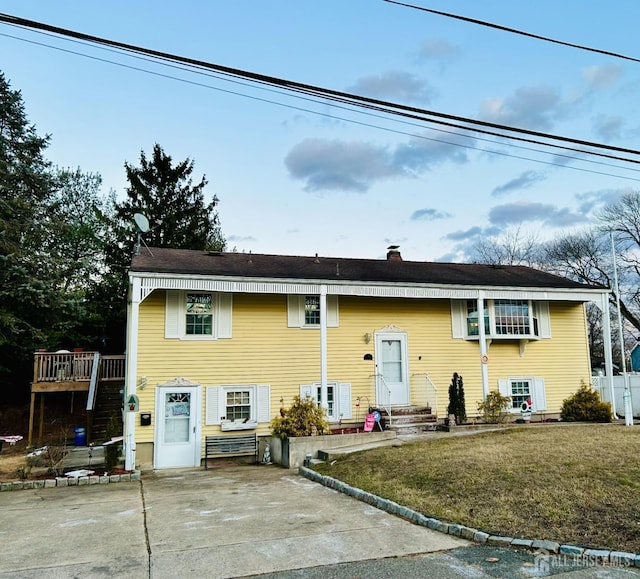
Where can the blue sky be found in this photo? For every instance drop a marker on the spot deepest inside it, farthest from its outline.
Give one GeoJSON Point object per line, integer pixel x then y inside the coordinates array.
{"type": "Point", "coordinates": [301, 177]}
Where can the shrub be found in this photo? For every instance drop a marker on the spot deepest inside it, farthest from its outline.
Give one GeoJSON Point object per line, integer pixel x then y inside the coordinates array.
{"type": "Point", "coordinates": [457, 405]}
{"type": "Point", "coordinates": [494, 407]}
{"type": "Point", "coordinates": [112, 451]}
{"type": "Point", "coordinates": [585, 406]}
{"type": "Point", "coordinates": [304, 418]}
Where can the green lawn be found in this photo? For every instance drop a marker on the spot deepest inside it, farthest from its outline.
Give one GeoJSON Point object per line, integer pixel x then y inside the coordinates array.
{"type": "Point", "coordinates": [577, 484]}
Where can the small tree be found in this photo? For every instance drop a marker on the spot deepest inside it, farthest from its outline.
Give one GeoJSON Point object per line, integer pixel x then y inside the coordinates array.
{"type": "Point", "coordinates": [457, 405]}
{"type": "Point", "coordinates": [585, 405]}
{"type": "Point", "coordinates": [494, 407]}
{"type": "Point", "coordinates": [304, 418]}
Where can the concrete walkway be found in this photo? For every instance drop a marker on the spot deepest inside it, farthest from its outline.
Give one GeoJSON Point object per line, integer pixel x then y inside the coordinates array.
{"type": "Point", "coordinates": [232, 521]}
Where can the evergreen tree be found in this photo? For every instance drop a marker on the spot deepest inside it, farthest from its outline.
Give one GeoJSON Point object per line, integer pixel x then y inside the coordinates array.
{"type": "Point", "coordinates": [457, 405]}
{"type": "Point", "coordinates": [30, 306]}
{"type": "Point", "coordinates": [179, 217]}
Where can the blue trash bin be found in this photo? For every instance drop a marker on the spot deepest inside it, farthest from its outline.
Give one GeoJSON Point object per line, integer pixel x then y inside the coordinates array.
{"type": "Point", "coordinates": [80, 436]}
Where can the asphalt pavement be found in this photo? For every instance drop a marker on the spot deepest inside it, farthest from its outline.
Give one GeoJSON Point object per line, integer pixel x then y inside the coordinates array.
{"type": "Point", "coordinates": [239, 521]}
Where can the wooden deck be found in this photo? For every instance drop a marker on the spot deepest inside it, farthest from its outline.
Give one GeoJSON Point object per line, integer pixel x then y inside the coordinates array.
{"type": "Point", "coordinates": [71, 372]}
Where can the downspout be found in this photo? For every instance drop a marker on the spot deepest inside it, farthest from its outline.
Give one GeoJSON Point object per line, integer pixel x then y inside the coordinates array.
{"type": "Point", "coordinates": [608, 356]}
{"type": "Point", "coordinates": [133, 307]}
{"type": "Point", "coordinates": [323, 347]}
{"type": "Point", "coordinates": [483, 346]}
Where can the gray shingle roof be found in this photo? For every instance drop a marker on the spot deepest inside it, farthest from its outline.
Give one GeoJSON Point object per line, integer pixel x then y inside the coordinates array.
{"type": "Point", "coordinates": [338, 269]}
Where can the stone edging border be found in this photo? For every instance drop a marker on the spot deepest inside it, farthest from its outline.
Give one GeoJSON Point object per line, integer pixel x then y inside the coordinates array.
{"type": "Point", "coordinates": [598, 556]}
{"type": "Point", "coordinates": [64, 481]}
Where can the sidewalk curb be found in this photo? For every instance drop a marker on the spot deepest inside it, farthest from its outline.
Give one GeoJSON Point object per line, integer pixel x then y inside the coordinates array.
{"type": "Point", "coordinates": [547, 548]}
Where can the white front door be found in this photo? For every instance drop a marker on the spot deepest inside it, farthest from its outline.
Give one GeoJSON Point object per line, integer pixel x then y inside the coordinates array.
{"type": "Point", "coordinates": [177, 431]}
{"type": "Point", "coordinates": [391, 368]}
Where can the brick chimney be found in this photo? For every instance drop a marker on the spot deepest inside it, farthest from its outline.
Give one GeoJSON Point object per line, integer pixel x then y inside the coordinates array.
{"type": "Point", "coordinates": [393, 253]}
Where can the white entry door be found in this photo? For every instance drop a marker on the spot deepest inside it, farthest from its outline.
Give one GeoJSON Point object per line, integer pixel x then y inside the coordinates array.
{"type": "Point", "coordinates": [177, 432]}
{"type": "Point", "coordinates": [392, 370]}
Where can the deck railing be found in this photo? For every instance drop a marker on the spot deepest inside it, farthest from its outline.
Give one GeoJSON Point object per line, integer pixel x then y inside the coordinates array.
{"type": "Point", "coordinates": [75, 367]}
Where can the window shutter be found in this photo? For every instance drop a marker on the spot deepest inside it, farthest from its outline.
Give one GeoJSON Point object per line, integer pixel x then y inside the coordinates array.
{"type": "Point", "coordinates": [225, 309]}
{"type": "Point", "coordinates": [458, 318]}
{"type": "Point", "coordinates": [544, 319]}
{"type": "Point", "coordinates": [539, 397]}
{"type": "Point", "coordinates": [504, 387]}
{"type": "Point", "coordinates": [294, 311]}
{"type": "Point", "coordinates": [264, 402]}
{"type": "Point", "coordinates": [215, 404]}
{"type": "Point", "coordinates": [172, 314]}
{"type": "Point", "coordinates": [332, 311]}
{"type": "Point", "coordinates": [306, 390]}
{"type": "Point", "coordinates": [344, 400]}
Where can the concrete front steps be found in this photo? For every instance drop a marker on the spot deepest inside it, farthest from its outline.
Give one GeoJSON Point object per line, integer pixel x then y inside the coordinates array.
{"type": "Point", "coordinates": [411, 419]}
{"type": "Point", "coordinates": [346, 444]}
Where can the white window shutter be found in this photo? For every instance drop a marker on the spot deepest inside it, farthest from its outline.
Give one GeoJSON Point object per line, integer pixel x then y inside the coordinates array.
{"type": "Point", "coordinates": [307, 390]}
{"type": "Point", "coordinates": [504, 387]}
{"type": "Point", "coordinates": [539, 397]}
{"type": "Point", "coordinates": [215, 404]}
{"type": "Point", "coordinates": [264, 402]}
{"type": "Point", "coordinates": [332, 311]}
{"type": "Point", "coordinates": [344, 400]}
{"type": "Point", "coordinates": [172, 314]}
{"type": "Point", "coordinates": [458, 318]}
{"type": "Point", "coordinates": [225, 311]}
{"type": "Point", "coordinates": [294, 311]}
{"type": "Point", "coordinates": [544, 319]}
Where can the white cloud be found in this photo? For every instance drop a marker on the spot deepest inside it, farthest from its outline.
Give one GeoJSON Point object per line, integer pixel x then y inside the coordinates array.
{"type": "Point", "coordinates": [395, 85]}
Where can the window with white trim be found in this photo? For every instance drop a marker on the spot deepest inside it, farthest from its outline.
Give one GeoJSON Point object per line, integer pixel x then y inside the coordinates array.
{"type": "Point", "coordinates": [338, 403]}
{"type": "Point", "coordinates": [502, 318]}
{"type": "Point", "coordinates": [303, 311]}
{"type": "Point", "coordinates": [197, 315]}
{"type": "Point", "coordinates": [311, 310]}
{"type": "Point", "coordinates": [238, 406]}
{"type": "Point", "coordinates": [524, 389]}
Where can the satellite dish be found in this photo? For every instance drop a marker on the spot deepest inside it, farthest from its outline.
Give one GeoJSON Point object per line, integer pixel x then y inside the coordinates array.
{"type": "Point", "coordinates": [141, 222]}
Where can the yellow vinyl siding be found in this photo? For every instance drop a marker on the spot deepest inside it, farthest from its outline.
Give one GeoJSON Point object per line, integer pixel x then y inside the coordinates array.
{"type": "Point", "coordinates": [263, 350]}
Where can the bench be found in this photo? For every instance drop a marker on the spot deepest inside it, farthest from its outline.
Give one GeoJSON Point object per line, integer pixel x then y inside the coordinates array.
{"type": "Point", "coordinates": [230, 445]}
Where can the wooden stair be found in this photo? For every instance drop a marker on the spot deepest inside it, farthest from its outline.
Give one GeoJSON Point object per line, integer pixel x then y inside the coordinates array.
{"type": "Point", "coordinates": [410, 419]}
{"type": "Point", "coordinates": [108, 405]}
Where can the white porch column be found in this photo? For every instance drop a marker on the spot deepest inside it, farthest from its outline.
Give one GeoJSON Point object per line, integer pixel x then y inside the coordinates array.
{"type": "Point", "coordinates": [483, 346]}
{"type": "Point", "coordinates": [323, 347]}
{"type": "Point", "coordinates": [133, 307]}
{"type": "Point", "coordinates": [606, 338]}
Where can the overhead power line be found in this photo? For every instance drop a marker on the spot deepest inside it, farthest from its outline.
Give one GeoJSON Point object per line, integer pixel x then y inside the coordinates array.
{"type": "Point", "coordinates": [513, 30]}
{"type": "Point", "coordinates": [472, 136]}
{"type": "Point", "coordinates": [387, 107]}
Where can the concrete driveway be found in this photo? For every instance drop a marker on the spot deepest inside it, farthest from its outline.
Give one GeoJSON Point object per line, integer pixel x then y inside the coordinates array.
{"type": "Point", "coordinates": [224, 522]}
{"type": "Point", "coordinates": [237, 521]}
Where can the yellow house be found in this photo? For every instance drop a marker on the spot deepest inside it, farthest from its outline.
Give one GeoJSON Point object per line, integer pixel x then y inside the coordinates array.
{"type": "Point", "coordinates": [218, 342]}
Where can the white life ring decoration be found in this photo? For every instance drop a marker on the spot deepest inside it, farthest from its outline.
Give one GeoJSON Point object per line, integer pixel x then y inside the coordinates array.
{"type": "Point", "coordinates": [484, 359]}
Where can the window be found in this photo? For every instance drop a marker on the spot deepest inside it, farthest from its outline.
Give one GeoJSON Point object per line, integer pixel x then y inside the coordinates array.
{"type": "Point", "coordinates": [197, 315]}
{"type": "Point", "coordinates": [338, 403]}
{"type": "Point", "coordinates": [238, 406]}
{"type": "Point", "coordinates": [311, 310]}
{"type": "Point", "coordinates": [503, 318]}
{"type": "Point", "coordinates": [303, 311]}
{"type": "Point", "coordinates": [523, 389]}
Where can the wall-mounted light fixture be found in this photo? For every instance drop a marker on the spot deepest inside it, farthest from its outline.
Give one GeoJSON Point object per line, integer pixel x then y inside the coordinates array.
{"type": "Point", "coordinates": [143, 382]}
{"type": "Point", "coordinates": [367, 338]}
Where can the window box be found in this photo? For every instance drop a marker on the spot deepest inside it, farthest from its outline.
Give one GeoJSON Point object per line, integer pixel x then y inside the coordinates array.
{"type": "Point", "coordinates": [228, 425]}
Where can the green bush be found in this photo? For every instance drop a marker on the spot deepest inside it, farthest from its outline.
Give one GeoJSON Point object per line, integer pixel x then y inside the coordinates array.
{"type": "Point", "coordinates": [494, 407]}
{"type": "Point", "coordinates": [304, 418]}
{"type": "Point", "coordinates": [585, 406]}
